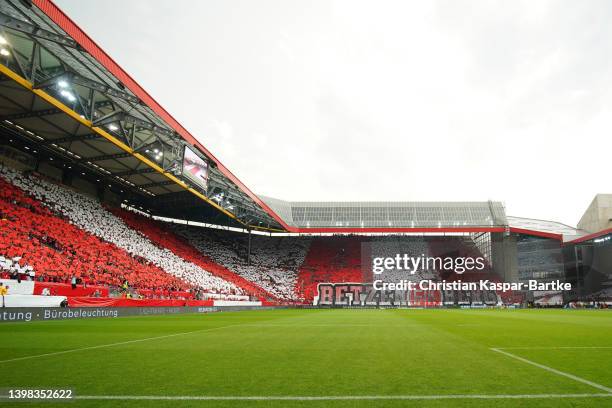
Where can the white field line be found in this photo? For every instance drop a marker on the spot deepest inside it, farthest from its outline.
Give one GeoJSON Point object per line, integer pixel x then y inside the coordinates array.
{"type": "Point", "coordinates": [554, 371]}
{"type": "Point", "coordinates": [553, 347]}
{"type": "Point", "coordinates": [293, 326]}
{"type": "Point", "coordinates": [167, 336]}
{"type": "Point", "coordinates": [335, 397]}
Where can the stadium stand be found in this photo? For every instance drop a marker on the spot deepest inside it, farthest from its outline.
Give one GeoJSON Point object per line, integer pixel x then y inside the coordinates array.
{"type": "Point", "coordinates": [457, 247]}
{"type": "Point", "coordinates": [392, 245]}
{"type": "Point", "coordinates": [12, 266]}
{"type": "Point", "coordinates": [65, 234]}
{"type": "Point", "coordinates": [330, 260]}
{"type": "Point", "coordinates": [273, 265]}
{"type": "Point", "coordinates": [165, 238]}
{"type": "Point", "coordinates": [465, 247]}
{"type": "Point", "coordinates": [54, 233]}
{"type": "Point", "coordinates": [32, 234]}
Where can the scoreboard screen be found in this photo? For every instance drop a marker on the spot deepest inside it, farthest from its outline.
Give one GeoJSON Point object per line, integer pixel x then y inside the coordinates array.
{"type": "Point", "coordinates": [195, 168]}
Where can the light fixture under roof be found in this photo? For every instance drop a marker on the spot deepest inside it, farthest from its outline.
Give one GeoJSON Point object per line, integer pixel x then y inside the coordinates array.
{"type": "Point", "coordinates": [4, 52]}
{"type": "Point", "coordinates": [67, 95]}
{"type": "Point", "coordinates": [3, 40]}
{"type": "Point", "coordinates": [112, 127]}
{"type": "Point", "coordinates": [62, 84]}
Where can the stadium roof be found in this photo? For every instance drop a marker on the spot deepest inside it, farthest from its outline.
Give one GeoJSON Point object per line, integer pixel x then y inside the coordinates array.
{"type": "Point", "coordinates": [60, 91]}
{"type": "Point", "coordinates": [66, 100]}
{"type": "Point", "coordinates": [545, 228]}
{"type": "Point", "coordinates": [390, 215]}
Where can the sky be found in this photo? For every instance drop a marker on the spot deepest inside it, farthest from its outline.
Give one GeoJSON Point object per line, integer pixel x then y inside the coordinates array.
{"type": "Point", "coordinates": [383, 100]}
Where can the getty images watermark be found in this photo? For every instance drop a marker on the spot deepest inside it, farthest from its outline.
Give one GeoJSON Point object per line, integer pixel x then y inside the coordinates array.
{"type": "Point", "coordinates": [388, 269]}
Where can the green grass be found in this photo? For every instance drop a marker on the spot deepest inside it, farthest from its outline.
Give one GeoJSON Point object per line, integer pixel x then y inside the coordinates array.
{"type": "Point", "coordinates": [317, 353]}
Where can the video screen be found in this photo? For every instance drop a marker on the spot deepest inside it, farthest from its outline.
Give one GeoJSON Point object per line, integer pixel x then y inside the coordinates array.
{"type": "Point", "coordinates": [195, 168]}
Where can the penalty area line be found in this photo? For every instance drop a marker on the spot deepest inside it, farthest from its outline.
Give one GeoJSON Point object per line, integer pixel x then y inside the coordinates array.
{"type": "Point", "coordinates": [334, 397]}
{"type": "Point", "coordinates": [554, 370]}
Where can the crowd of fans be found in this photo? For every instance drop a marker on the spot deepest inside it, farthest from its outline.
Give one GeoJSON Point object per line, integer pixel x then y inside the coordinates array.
{"type": "Point", "coordinates": [390, 246]}
{"type": "Point", "coordinates": [64, 234]}
{"type": "Point", "coordinates": [159, 233]}
{"type": "Point", "coordinates": [12, 268]}
{"type": "Point", "coordinates": [273, 263]}
{"type": "Point", "coordinates": [330, 260]}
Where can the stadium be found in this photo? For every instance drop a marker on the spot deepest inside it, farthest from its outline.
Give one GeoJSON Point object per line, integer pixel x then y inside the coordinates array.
{"type": "Point", "coordinates": [138, 270]}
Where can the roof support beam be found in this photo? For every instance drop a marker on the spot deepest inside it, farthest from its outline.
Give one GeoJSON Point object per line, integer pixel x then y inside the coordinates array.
{"type": "Point", "coordinates": [35, 31]}
{"type": "Point", "coordinates": [88, 136]}
{"type": "Point", "coordinates": [31, 114]}
{"type": "Point", "coordinates": [144, 147]}
{"type": "Point", "coordinates": [134, 172]}
{"type": "Point", "coordinates": [156, 184]}
{"type": "Point", "coordinates": [106, 157]}
{"type": "Point", "coordinates": [77, 79]}
{"type": "Point", "coordinates": [120, 116]}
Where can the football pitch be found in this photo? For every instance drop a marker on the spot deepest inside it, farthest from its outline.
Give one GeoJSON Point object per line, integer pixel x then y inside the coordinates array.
{"type": "Point", "coordinates": [318, 358]}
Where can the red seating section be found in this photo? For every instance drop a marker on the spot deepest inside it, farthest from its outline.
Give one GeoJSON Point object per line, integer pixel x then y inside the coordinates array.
{"type": "Point", "coordinates": [64, 289]}
{"type": "Point", "coordinates": [161, 236]}
{"type": "Point", "coordinates": [330, 260]}
{"type": "Point", "coordinates": [57, 249]}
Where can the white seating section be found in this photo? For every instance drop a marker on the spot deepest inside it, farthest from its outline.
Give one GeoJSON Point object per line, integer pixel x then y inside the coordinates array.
{"type": "Point", "coordinates": [274, 262]}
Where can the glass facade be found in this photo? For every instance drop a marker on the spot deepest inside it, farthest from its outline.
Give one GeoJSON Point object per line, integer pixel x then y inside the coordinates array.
{"type": "Point", "coordinates": [588, 267]}
{"type": "Point", "coordinates": [539, 258]}
{"type": "Point", "coordinates": [389, 214]}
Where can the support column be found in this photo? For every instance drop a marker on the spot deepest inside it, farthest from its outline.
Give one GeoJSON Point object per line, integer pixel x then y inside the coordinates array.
{"type": "Point", "coordinates": [249, 249]}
